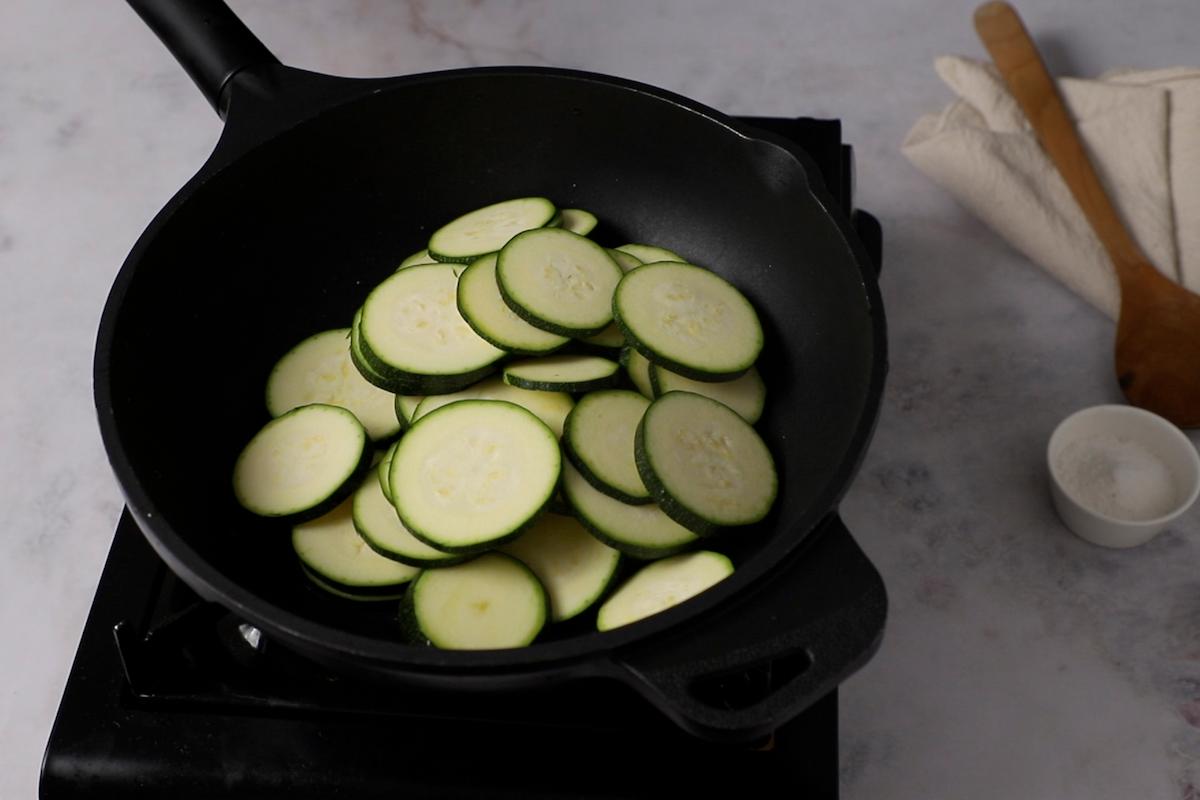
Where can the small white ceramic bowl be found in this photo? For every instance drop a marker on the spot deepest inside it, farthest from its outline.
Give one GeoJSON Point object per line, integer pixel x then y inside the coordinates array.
{"type": "Point", "coordinates": [1149, 433]}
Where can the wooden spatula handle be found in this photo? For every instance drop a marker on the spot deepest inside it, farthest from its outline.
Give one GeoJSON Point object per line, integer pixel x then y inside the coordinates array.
{"type": "Point", "coordinates": [1017, 58]}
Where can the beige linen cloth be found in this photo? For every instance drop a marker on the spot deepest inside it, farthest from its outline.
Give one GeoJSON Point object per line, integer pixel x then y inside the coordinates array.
{"type": "Point", "coordinates": [1142, 131]}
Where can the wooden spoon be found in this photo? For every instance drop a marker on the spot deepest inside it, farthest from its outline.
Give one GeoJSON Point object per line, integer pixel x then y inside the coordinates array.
{"type": "Point", "coordinates": [1157, 350]}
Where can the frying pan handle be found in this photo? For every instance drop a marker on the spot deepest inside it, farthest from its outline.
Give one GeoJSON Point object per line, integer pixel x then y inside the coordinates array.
{"type": "Point", "coordinates": [782, 646]}
{"type": "Point", "coordinates": [208, 40]}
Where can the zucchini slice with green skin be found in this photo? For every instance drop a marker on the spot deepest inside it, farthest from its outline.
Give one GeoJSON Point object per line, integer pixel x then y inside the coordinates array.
{"type": "Point", "coordinates": [648, 253]}
{"type": "Point", "coordinates": [550, 407]}
{"type": "Point", "coordinates": [303, 463]}
{"type": "Point", "coordinates": [483, 308]}
{"type": "Point", "coordinates": [689, 320]}
{"type": "Point", "coordinates": [350, 593]}
{"type": "Point", "coordinates": [377, 523]}
{"type": "Point", "coordinates": [485, 230]}
{"type": "Point", "coordinates": [576, 220]}
{"type": "Point", "coordinates": [637, 367]}
{"type": "Point", "coordinates": [419, 257]}
{"type": "Point", "coordinates": [406, 405]}
{"type": "Point", "coordinates": [658, 586]}
{"type": "Point", "coordinates": [642, 532]}
{"type": "Point", "coordinates": [413, 334]}
{"type": "Point", "coordinates": [563, 373]}
{"type": "Point", "coordinates": [705, 466]}
{"type": "Point", "coordinates": [747, 395]}
{"type": "Point", "coordinates": [370, 375]}
{"type": "Point", "coordinates": [610, 338]}
{"type": "Point", "coordinates": [333, 554]}
{"type": "Point", "coordinates": [489, 603]}
{"type": "Point", "coordinates": [575, 567]}
{"type": "Point", "coordinates": [319, 370]}
{"type": "Point", "coordinates": [558, 281]}
{"type": "Point", "coordinates": [382, 469]}
{"type": "Point", "coordinates": [598, 440]}
{"type": "Point", "coordinates": [474, 474]}
{"type": "Point", "coordinates": [626, 261]}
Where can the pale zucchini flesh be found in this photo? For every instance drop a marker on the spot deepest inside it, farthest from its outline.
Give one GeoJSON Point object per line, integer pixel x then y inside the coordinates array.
{"type": "Point", "coordinates": [563, 373]}
{"type": "Point", "coordinates": [474, 474]}
{"type": "Point", "coordinates": [598, 440]}
{"type": "Point", "coordinates": [576, 220]}
{"type": "Point", "coordinates": [486, 230]}
{"type": "Point", "coordinates": [382, 468]}
{"type": "Point", "coordinates": [610, 338]}
{"type": "Point", "coordinates": [558, 281]}
{"type": "Point", "coordinates": [637, 367]}
{"type": "Point", "coordinates": [420, 257]}
{"type": "Point", "coordinates": [649, 253]}
{"type": "Point", "coordinates": [489, 603]}
{"type": "Point", "coordinates": [747, 394]}
{"type": "Point", "coordinates": [639, 531]}
{"type": "Point", "coordinates": [302, 463]}
{"type": "Point", "coordinates": [379, 525]}
{"type": "Point", "coordinates": [331, 548]}
{"type": "Point", "coordinates": [689, 320]}
{"type": "Point", "coordinates": [319, 370]}
{"type": "Point", "coordinates": [550, 407]}
{"type": "Point", "coordinates": [574, 567]}
{"type": "Point", "coordinates": [704, 465]}
{"type": "Point", "coordinates": [411, 327]}
{"type": "Point", "coordinates": [626, 261]}
{"type": "Point", "coordinates": [406, 405]}
{"type": "Point", "coordinates": [661, 585]}
{"type": "Point", "coordinates": [483, 308]}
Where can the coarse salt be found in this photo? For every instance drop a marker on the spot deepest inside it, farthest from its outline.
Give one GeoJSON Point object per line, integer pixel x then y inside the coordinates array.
{"type": "Point", "coordinates": [1118, 477]}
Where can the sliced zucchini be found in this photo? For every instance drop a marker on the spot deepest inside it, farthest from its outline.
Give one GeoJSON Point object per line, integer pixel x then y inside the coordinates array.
{"type": "Point", "coordinates": [563, 373]}
{"type": "Point", "coordinates": [483, 308]}
{"type": "Point", "coordinates": [406, 404]}
{"type": "Point", "coordinates": [488, 603]}
{"type": "Point", "coordinates": [558, 281]}
{"type": "Point", "coordinates": [643, 532]}
{"type": "Point", "coordinates": [649, 253]}
{"type": "Point", "coordinates": [746, 395]}
{"type": "Point", "coordinates": [350, 593]}
{"type": "Point", "coordinates": [598, 440]}
{"type": "Point", "coordinates": [319, 370]}
{"type": "Point", "coordinates": [419, 257]}
{"type": "Point", "coordinates": [377, 523]}
{"type": "Point", "coordinates": [382, 469]}
{"type": "Point", "coordinates": [705, 466]}
{"type": "Point", "coordinates": [689, 320]}
{"type": "Point", "coordinates": [303, 463]}
{"type": "Point", "coordinates": [413, 334]}
{"type": "Point", "coordinates": [610, 338]}
{"type": "Point", "coordinates": [473, 474]}
{"type": "Point", "coordinates": [485, 230]}
{"type": "Point", "coordinates": [626, 261]}
{"type": "Point", "coordinates": [337, 558]}
{"type": "Point", "coordinates": [637, 367]}
{"type": "Point", "coordinates": [576, 220]}
{"type": "Point", "coordinates": [574, 567]}
{"type": "Point", "coordinates": [359, 361]}
{"type": "Point", "coordinates": [658, 586]}
{"type": "Point", "coordinates": [550, 407]}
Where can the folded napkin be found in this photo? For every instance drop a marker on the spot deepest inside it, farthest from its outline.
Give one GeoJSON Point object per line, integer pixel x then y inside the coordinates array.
{"type": "Point", "coordinates": [1142, 131]}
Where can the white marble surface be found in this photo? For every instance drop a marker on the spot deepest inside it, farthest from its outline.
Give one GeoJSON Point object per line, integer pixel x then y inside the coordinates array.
{"type": "Point", "coordinates": [1018, 662]}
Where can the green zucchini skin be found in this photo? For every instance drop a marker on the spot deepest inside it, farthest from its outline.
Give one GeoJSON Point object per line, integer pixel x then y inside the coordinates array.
{"type": "Point", "coordinates": [626, 295]}
{"type": "Point", "coordinates": [610, 380]}
{"type": "Point", "coordinates": [355, 593]}
{"type": "Point", "coordinates": [672, 507]}
{"type": "Point", "coordinates": [572, 431]}
{"type": "Point", "coordinates": [337, 496]}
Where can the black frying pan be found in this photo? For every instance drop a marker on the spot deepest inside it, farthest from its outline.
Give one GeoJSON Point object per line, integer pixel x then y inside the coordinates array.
{"type": "Point", "coordinates": [320, 185]}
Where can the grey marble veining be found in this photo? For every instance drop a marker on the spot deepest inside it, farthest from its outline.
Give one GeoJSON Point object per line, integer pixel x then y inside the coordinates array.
{"type": "Point", "coordinates": [1019, 661]}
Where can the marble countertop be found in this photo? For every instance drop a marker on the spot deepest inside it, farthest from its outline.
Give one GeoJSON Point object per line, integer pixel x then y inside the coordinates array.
{"type": "Point", "coordinates": [1018, 662]}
